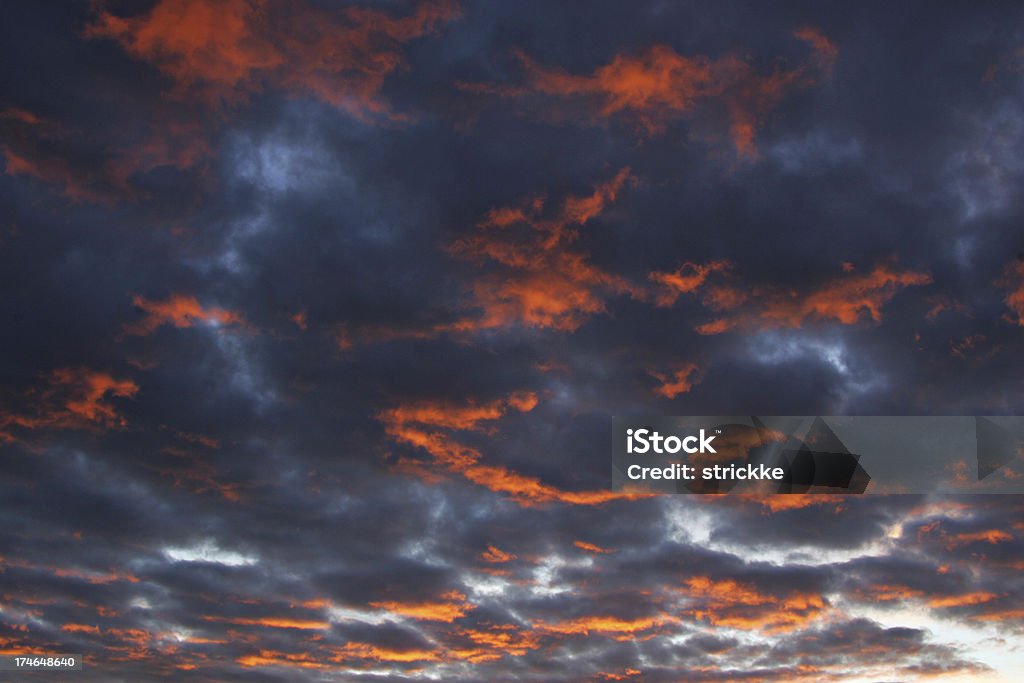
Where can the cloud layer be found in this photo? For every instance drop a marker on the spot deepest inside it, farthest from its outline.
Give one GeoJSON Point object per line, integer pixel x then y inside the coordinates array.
{"type": "Point", "coordinates": [315, 315]}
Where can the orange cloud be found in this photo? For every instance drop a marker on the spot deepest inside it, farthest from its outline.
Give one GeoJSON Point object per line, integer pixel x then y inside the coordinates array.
{"type": "Point", "coordinates": [937, 531]}
{"type": "Point", "coordinates": [527, 490]}
{"type": "Point", "coordinates": [495, 555]}
{"type": "Point", "coordinates": [542, 282]}
{"type": "Point", "coordinates": [889, 593]}
{"type": "Point", "coordinates": [464, 417]}
{"type": "Point", "coordinates": [1014, 615]}
{"type": "Point", "coordinates": [731, 604]}
{"type": "Point", "coordinates": [222, 52]}
{"type": "Point", "coordinates": [274, 658]}
{"type": "Point", "coordinates": [847, 299]}
{"type": "Point", "coordinates": [315, 603]}
{"type": "Point", "coordinates": [688, 278]}
{"type": "Point", "coordinates": [850, 298]}
{"type": "Point", "coordinates": [445, 450]}
{"type": "Point", "coordinates": [719, 326]}
{"type": "Point", "coordinates": [88, 393]}
{"type": "Point", "coordinates": [452, 606]}
{"type": "Point", "coordinates": [73, 398]}
{"type": "Point", "coordinates": [962, 600]}
{"type": "Point", "coordinates": [501, 640]}
{"type": "Point", "coordinates": [384, 654]}
{"type": "Point", "coordinates": [990, 536]}
{"type": "Point", "coordinates": [180, 311]}
{"type": "Point", "coordinates": [591, 548]}
{"type": "Point", "coordinates": [485, 645]}
{"type": "Point", "coordinates": [424, 425]}
{"type": "Point", "coordinates": [274, 622]}
{"type": "Point", "coordinates": [93, 577]}
{"type": "Point", "coordinates": [654, 88]}
{"type": "Point", "coordinates": [301, 320]}
{"type": "Point", "coordinates": [1013, 280]}
{"type": "Point", "coordinates": [900, 593]}
{"type": "Point", "coordinates": [606, 625]}
{"type": "Point", "coordinates": [679, 382]}
{"type": "Point", "coordinates": [793, 501]}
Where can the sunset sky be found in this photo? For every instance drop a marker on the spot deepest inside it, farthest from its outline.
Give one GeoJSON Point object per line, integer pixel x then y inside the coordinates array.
{"type": "Point", "coordinates": [315, 315]}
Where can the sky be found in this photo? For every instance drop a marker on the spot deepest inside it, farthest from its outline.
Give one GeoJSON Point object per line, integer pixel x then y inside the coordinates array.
{"type": "Point", "coordinates": [316, 314]}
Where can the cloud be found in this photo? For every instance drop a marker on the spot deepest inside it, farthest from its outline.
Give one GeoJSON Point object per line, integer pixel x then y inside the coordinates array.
{"type": "Point", "coordinates": [1013, 282]}
{"type": "Point", "coordinates": [300, 319]}
{"type": "Point", "coordinates": [452, 606]}
{"type": "Point", "coordinates": [680, 381]}
{"type": "Point", "coordinates": [276, 622]}
{"type": "Point", "coordinates": [687, 279]}
{"type": "Point", "coordinates": [540, 281]}
{"type": "Point", "coordinates": [180, 311]}
{"type": "Point", "coordinates": [373, 652]}
{"type": "Point", "coordinates": [727, 603]}
{"type": "Point", "coordinates": [428, 426]}
{"type": "Point", "coordinates": [169, 143]}
{"type": "Point", "coordinates": [222, 53]}
{"type": "Point", "coordinates": [42, 149]}
{"type": "Point", "coordinates": [606, 626]}
{"type": "Point", "coordinates": [797, 501]}
{"type": "Point", "coordinates": [90, 577]}
{"type": "Point", "coordinates": [72, 398]}
{"type": "Point", "coordinates": [951, 541]}
{"type": "Point", "coordinates": [591, 548]}
{"type": "Point", "coordinates": [95, 165]}
{"type": "Point", "coordinates": [495, 555]}
{"type": "Point", "coordinates": [464, 417]}
{"type": "Point", "coordinates": [658, 86]}
{"type": "Point", "coordinates": [617, 676]}
{"type": "Point", "coordinates": [53, 169]}
{"type": "Point", "coordinates": [847, 299]}
{"type": "Point", "coordinates": [209, 551]}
